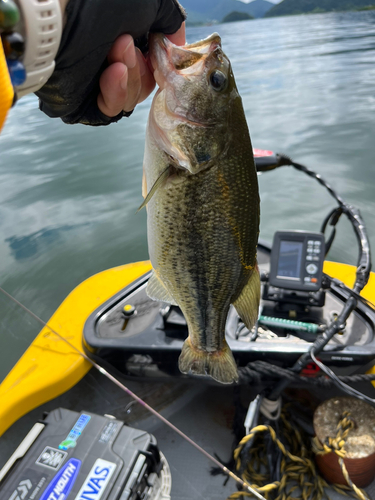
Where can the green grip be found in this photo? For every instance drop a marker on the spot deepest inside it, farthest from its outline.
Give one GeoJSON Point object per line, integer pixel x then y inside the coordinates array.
{"type": "Point", "coordinates": [288, 323]}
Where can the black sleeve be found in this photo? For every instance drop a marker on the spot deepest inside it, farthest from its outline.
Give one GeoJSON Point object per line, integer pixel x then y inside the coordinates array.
{"type": "Point", "coordinates": [91, 28]}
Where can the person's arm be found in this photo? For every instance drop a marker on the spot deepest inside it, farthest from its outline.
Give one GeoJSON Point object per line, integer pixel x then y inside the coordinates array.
{"type": "Point", "coordinates": [100, 74]}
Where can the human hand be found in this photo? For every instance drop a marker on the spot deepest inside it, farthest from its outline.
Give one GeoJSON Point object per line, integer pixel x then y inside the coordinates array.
{"type": "Point", "coordinates": [128, 80]}
{"type": "Point", "coordinates": [100, 74]}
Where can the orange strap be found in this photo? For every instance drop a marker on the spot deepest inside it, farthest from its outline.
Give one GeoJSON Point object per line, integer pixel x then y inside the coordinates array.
{"type": "Point", "coordinates": [6, 88]}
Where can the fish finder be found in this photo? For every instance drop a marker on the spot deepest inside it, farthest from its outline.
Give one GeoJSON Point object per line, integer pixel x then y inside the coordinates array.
{"type": "Point", "coordinates": [297, 260]}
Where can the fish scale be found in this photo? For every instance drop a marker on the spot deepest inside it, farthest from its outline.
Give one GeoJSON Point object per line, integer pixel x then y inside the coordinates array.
{"type": "Point", "coordinates": [186, 253]}
{"type": "Point", "coordinates": [203, 208]}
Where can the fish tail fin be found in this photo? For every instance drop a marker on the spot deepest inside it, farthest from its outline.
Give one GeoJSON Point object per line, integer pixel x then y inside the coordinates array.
{"type": "Point", "coordinates": [220, 365]}
{"type": "Point", "coordinates": [247, 304]}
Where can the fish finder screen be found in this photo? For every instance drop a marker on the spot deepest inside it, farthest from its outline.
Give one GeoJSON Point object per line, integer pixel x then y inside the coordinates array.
{"type": "Point", "coordinates": [290, 257]}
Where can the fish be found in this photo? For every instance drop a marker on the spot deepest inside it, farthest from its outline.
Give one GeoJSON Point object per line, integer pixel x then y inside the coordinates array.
{"type": "Point", "coordinates": [201, 191]}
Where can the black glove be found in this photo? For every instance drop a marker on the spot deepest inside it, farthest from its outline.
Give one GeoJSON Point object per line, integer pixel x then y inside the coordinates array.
{"type": "Point", "coordinates": [91, 28]}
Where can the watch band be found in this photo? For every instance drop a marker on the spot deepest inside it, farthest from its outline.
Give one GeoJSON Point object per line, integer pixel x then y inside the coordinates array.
{"type": "Point", "coordinates": [42, 29]}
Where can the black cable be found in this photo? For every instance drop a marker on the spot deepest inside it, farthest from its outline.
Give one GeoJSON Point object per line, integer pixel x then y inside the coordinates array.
{"type": "Point", "coordinates": [351, 292]}
{"type": "Point", "coordinates": [353, 214]}
{"type": "Point", "coordinates": [341, 385]}
{"type": "Point", "coordinates": [362, 273]}
{"type": "Point", "coordinates": [333, 218]}
{"type": "Point", "coordinates": [258, 372]}
{"type": "Point", "coordinates": [314, 175]}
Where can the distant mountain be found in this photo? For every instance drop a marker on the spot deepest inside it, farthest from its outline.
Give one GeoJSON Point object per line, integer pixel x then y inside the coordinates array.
{"type": "Point", "coordinates": [292, 7]}
{"type": "Point", "coordinates": [208, 11]}
{"type": "Point", "coordinates": [236, 16]}
{"type": "Point", "coordinates": [258, 8]}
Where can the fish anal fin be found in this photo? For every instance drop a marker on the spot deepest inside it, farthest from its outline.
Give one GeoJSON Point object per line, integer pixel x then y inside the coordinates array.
{"type": "Point", "coordinates": [220, 365]}
{"type": "Point", "coordinates": [247, 304]}
{"type": "Point", "coordinates": [157, 291]}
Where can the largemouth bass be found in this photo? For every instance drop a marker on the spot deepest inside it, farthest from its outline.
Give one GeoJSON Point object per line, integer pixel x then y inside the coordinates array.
{"type": "Point", "coordinates": [201, 191]}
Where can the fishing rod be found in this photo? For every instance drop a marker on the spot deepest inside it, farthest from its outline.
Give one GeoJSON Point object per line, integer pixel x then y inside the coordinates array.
{"type": "Point", "coordinates": [149, 408]}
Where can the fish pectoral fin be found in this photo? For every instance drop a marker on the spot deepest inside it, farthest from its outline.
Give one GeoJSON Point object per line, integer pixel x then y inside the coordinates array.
{"type": "Point", "coordinates": [157, 291]}
{"type": "Point", "coordinates": [144, 184]}
{"type": "Point", "coordinates": [220, 365]}
{"type": "Point", "coordinates": [159, 181]}
{"type": "Point", "coordinates": [247, 304]}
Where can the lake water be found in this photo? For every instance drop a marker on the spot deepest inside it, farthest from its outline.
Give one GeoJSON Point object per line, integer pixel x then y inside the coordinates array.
{"type": "Point", "coordinates": [69, 194]}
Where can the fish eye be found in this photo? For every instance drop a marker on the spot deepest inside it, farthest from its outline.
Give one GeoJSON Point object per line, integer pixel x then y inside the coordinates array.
{"type": "Point", "coordinates": [218, 80]}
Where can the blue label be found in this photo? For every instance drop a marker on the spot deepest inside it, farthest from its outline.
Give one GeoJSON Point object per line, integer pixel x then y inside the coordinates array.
{"type": "Point", "coordinates": [61, 485]}
{"type": "Point", "coordinates": [71, 439]}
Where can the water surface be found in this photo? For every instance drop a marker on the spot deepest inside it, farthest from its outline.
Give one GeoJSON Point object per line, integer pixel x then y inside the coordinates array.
{"type": "Point", "coordinates": [69, 194]}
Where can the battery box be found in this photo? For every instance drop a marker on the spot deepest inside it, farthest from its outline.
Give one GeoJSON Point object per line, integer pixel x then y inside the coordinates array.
{"type": "Point", "coordinates": [83, 456]}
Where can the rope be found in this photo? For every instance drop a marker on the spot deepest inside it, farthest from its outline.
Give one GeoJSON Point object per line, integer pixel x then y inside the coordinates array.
{"type": "Point", "coordinates": [298, 478]}
{"type": "Point", "coordinates": [337, 445]}
{"type": "Point", "coordinates": [360, 493]}
{"type": "Point", "coordinates": [260, 371]}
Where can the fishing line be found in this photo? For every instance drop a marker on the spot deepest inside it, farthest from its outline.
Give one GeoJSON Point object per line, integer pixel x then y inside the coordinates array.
{"type": "Point", "coordinates": [104, 372]}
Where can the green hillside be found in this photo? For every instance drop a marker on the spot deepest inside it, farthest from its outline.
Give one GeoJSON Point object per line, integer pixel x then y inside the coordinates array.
{"type": "Point", "coordinates": [293, 7]}
{"type": "Point", "coordinates": [236, 16]}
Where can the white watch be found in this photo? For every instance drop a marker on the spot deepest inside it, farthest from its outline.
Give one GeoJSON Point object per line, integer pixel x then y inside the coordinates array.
{"type": "Point", "coordinates": [41, 27]}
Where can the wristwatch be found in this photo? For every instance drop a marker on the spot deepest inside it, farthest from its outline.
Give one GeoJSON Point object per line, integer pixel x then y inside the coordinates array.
{"type": "Point", "coordinates": [41, 27]}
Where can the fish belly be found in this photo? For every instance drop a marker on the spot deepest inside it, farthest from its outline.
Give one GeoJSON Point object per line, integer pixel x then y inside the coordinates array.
{"type": "Point", "coordinates": [202, 235]}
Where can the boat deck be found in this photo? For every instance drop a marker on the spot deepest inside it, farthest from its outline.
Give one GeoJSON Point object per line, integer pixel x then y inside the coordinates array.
{"type": "Point", "coordinates": [205, 413]}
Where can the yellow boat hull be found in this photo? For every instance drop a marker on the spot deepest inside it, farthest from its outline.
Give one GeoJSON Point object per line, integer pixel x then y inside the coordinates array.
{"type": "Point", "coordinates": [50, 367]}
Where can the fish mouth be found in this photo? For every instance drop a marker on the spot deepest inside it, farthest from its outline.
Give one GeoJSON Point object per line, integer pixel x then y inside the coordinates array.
{"type": "Point", "coordinates": [202, 46]}
{"type": "Point", "coordinates": [167, 58]}
{"type": "Point", "coordinates": [158, 53]}
{"type": "Point", "coordinates": [173, 65]}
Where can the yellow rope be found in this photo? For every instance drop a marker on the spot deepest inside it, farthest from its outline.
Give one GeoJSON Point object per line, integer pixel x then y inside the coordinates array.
{"type": "Point", "coordinates": [337, 445]}
{"type": "Point", "coordinates": [271, 430]}
{"type": "Point", "coordinates": [299, 477]}
{"type": "Point", "coordinates": [361, 494]}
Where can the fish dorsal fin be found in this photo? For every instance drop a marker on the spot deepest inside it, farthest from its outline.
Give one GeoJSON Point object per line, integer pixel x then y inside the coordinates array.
{"type": "Point", "coordinates": [157, 291]}
{"type": "Point", "coordinates": [247, 304]}
{"type": "Point", "coordinates": [159, 181]}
